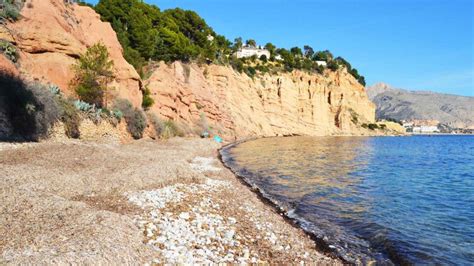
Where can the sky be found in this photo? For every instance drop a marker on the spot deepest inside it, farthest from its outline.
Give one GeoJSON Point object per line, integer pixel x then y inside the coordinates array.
{"type": "Point", "coordinates": [411, 44]}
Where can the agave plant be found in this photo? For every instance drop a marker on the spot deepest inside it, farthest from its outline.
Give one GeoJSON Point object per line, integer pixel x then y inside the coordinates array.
{"type": "Point", "coordinates": [83, 106]}
{"type": "Point", "coordinates": [54, 89]}
{"type": "Point", "coordinates": [118, 114]}
{"type": "Point", "coordinates": [97, 114]}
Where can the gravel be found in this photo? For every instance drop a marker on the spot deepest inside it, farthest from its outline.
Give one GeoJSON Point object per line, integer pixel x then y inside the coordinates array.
{"type": "Point", "coordinates": [147, 202]}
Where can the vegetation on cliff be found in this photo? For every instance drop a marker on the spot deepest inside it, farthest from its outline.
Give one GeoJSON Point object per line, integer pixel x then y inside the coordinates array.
{"type": "Point", "coordinates": [94, 70]}
{"type": "Point", "coordinates": [10, 9]}
{"type": "Point", "coordinates": [147, 33]}
{"type": "Point", "coordinates": [9, 50]}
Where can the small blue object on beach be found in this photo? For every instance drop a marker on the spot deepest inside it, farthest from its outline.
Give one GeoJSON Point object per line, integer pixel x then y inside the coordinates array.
{"type": "Point", "coordinates": [217, 139]}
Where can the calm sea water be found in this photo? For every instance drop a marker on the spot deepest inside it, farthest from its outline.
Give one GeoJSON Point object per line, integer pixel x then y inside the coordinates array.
{"type": "Point", "coordinates": [402, 200]}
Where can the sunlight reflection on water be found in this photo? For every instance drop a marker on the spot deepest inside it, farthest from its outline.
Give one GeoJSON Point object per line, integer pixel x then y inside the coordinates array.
{"type": "Point", "coordinates": [371, 198]}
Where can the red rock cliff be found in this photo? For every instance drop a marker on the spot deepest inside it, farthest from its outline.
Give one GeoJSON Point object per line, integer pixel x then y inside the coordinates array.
{"type": "Point", "coordinates": [51, 35]}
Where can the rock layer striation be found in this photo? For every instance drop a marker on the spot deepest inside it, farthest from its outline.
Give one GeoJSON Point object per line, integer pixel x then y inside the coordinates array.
{"type": "Point", "coordinates": [235, 105]}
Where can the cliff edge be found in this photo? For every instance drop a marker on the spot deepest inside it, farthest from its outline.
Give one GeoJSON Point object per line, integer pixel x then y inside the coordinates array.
{"type": "Point", "coordinates": [236, 105]}
{"type": "Point", "coordinates": [216, 99]}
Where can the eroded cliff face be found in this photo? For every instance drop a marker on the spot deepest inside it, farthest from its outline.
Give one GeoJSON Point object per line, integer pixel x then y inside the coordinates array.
{"type": "Point", "coordinates": [51, 35]}
{"type": "Point", "coordinates": [236, 106]}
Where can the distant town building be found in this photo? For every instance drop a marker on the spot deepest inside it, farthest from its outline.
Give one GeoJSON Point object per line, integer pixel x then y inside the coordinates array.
{"type": "Point", "coordinates": [422, 126]}
{"type": "Point", "coordinates": [408, 124]}
{"type": "Point", "coordinates": [321, 63]}
{"type": "Point", "coordinates": [429, 129]}
{"type": "Point", "coordinates": [425, 129]}
{"type": "Point", "coordinates": [249, 51]}
{"type": "Point", "coordinates": [278, 57]}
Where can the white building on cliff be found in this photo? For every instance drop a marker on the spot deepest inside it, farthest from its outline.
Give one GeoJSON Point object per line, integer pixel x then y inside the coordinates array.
{"type": "Point", "coordinates": [321, 63]}
{"type": "Point", "coordinates": [249, 51]}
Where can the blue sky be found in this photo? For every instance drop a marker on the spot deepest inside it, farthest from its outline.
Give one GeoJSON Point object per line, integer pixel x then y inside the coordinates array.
{"type": "Point", "coordinates": [413, 44]}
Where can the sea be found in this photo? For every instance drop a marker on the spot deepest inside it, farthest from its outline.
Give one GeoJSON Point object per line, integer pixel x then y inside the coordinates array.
{"type": "Point", "coordinates": [383, 200]}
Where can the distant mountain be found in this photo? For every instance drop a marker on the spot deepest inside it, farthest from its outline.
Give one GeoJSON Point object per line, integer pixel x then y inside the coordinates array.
{"type": "Point", "coordinates": [451, 110]}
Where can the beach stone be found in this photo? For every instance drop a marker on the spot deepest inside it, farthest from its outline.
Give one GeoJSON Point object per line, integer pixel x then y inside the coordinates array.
{"type": "Point", "coordinates": [184, 215]}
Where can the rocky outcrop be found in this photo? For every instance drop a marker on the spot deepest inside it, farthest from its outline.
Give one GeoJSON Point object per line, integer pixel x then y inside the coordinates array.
{"type": "Point", "coordinates": [234, 105]}
{"type": "Point", "coordinates": [51, 35]}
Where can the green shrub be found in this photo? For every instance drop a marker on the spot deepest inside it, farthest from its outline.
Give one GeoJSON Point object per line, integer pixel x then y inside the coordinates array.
{"type": "Point", "coordinates": [93, 71]}
{"type": "Point", "coordinates": [70, 117]}
{"type": "Point", "coordinates": [361, 80]}
{"type": "Point", "coordinates": [135, 118]}
{"type": "Point", "coordinates": [262, 68]}
{"type": "Point", "coordinates": [9, 50]}
{"type": "Point", "coordinates": [118, 115]}
{"type": "Point", "coordinates": [250, 71]}
{"type": "Point", "coordinates": [10, 11]}
{"type": "Point", "coordinates": [333, 65]}
{"type": "Point", "coordinates": [370, 126]}
{"type": "Point", "coordinates": [90, 91]}
{"type": "Point", "coordinates": [237, 64]}
{"type": "Point", "coordinates": [30, 108]}
{"type": "Point", "coordinates": [373, 126]}
{"type": "Point", "coordinates": [147, 100]}
{"type": "Point", "coordinates": [354, 116]}
{"type": "Point", "coordinates": [319, 69]}
{"type": "Point", "coordinates": [134, 58]}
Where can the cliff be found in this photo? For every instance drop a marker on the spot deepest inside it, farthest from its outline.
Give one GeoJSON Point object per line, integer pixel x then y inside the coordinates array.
{"type": "Point", "coordinates": [235, 105]}
{"type": "Point", "coordinates": [51, 35]}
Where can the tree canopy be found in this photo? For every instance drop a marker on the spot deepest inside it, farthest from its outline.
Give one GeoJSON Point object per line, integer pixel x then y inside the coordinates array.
{"type": "Point", "coordinates": [94, 69]}
{"type": "Point", "coordinates": [147, 33]}
{"type": "Point", "coordinates": [251, 43]}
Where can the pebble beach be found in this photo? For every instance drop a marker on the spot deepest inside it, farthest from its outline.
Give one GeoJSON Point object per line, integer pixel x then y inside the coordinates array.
{"type": "Point", "coordinates": [175, 203]}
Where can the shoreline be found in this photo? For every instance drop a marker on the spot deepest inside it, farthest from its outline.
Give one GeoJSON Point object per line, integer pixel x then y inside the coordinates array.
{"type": "Point", "coordinates": [321, 245]}
{"type": "Point", "coordinates": [147, 202]}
